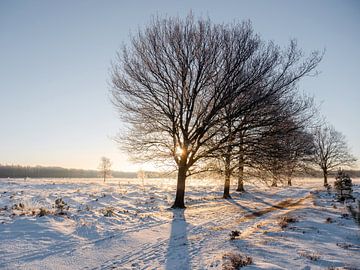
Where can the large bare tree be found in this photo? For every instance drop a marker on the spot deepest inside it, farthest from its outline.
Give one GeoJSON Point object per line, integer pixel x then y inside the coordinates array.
{"type": "Point", "coordinates": [172, 84]}
{"type": "Point", "coordinates": [331, 150]}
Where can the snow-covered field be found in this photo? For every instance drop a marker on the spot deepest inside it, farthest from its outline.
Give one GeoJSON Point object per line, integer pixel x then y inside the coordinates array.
{"type": "Point", "coordinates": [126, 224]}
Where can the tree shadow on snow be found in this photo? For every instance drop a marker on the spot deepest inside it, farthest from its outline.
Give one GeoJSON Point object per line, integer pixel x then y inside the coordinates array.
{"type": "Point", "coordinates": [246, 209]}
{"type": "Point", "coordinates": [260, 200]}
{"type": "Point", "coordinates": [177, 256]}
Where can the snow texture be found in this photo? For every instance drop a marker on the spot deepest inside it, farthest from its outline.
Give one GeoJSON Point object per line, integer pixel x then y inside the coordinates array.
{"type": "Point", "coordinates": [125, 224]}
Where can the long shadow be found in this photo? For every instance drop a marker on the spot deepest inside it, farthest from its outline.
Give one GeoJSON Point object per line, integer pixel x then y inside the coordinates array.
{"type": "Point", "coordinates": [258, 199]}
{"type": "Point", "coordinates": [255, 199]}
{"type": "Point", "coordinates": [177, 255]}
{"type": "Point", "coordinates": [261, 200]}
{"type": "Point", "coordinates": [247, 209]}
{"type": "Point", "coordinates": [256, 213]}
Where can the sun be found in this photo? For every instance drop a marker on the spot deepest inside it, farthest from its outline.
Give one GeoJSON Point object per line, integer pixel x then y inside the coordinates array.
{"type": "Point", "coordinates": [179, 151]}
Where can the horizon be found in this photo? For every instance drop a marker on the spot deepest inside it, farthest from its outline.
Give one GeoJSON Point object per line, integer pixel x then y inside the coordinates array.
{"type": "Point", "coordinates": [68, 168]}
{"type": "Point", "coordinates": [152, 171]}
{"type": "Point", "coordinates": [56, 59]}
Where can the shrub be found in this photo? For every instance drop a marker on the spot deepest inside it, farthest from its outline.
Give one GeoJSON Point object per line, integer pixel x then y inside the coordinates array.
{"type": "Point", "coordinates": [343, 185]}
{"type": "Point", "coordinates": [43, 212]}
{"type": "Point", "coordinates": [310, 255]}
{"type": "Point", "coordinates": [19, 206]}
{"type": "Point", "coordinates": [60, 205]}
{"type": "Point", "coordinates": [344, 245]}
{"type": "Point", "coordinates": [285, 220]}
{"type": "Point", "coordinates": [108, 212]}
{"type": "Point", "coordinates": [233, 261]}
{"type": "Point", "coordinates": [234, 234]}
{"type": "Point", "coordinates": [329, 220]}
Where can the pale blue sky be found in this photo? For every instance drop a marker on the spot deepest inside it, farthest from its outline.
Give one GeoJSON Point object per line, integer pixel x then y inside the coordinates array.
{"type": "Point", "coordinates": [55, 58]}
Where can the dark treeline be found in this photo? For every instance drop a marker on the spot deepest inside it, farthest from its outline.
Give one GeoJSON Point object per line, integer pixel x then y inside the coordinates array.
{"type": "Point", "coordinates": [16, 171]}
{"type": "Point", "coordinates": [319, 174]}
{"type": "Point", "coordinates": [351, 173]}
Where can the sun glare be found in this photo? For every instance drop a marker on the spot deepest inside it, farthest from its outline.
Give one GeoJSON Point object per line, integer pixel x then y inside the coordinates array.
{"type": "Point", "coordinates": [179, 151]}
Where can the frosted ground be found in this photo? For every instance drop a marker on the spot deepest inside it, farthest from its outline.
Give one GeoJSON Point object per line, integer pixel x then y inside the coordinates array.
{"type": "Point", "coordinates": [126, 224]}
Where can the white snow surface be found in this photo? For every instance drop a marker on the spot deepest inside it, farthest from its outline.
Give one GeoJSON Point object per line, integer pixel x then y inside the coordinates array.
{"type": "Point", "coordinates": [128, 224]}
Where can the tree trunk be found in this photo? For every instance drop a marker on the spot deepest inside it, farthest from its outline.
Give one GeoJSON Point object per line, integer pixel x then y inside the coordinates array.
{"type": "Point", "coordinates": [180, 188]}
{"type": "Point", "coordinates": [325, 177]}
{"type": "Point", "coordinates": [228, 162]}
{"type": "Point", "coordinates": [289, 176]}
{"type": "Point", "coordinates": [274, 182]}
{"type": "Point", "coordinates": [240, 186]}
{"type": "Point", "coordinates": [227, 177]}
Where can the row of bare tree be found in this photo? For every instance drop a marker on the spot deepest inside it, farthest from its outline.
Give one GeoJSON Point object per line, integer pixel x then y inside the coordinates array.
{"type": "Point", "coordinates": [215, 97]}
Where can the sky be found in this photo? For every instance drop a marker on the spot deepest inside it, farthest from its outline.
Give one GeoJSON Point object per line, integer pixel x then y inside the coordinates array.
{"type": "Point", "coordinates": [55, 58]}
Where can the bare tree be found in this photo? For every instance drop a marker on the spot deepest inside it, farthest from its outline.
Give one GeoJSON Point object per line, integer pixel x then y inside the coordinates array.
{"type": "Point", "coordinates": [299, 153]}
{"type": "Point", "coordinates": [274, 152]}
{"type": "Point", "coordinates": [280, 101]}
{"type": "Point", "coordinates": [105, 168]}
{"type": "Point", "coordinates": [174, 81]}
{"type": "Point", "coordinates": [331, 150]}
{"type": "Point", "coordinates": [271, 136]}
{"type": "Point", "coordinates": [288, 151]}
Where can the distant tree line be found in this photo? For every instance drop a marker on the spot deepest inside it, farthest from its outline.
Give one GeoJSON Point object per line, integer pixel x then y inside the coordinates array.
{"type": "Point", "coordinates": [16, 171]}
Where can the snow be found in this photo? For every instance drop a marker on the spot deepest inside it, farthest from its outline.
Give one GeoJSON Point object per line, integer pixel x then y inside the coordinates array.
{"type": "Point", "coordinates": [125, 224]}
